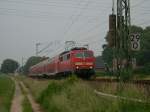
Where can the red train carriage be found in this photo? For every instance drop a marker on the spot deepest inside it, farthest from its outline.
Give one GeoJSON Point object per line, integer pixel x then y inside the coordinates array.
{"type": "Point", "coordinates": [78, 60]}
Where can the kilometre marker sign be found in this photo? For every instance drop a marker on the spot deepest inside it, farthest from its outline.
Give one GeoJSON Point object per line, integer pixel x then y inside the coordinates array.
{"type": "Point", "coordinates": [135, 42]}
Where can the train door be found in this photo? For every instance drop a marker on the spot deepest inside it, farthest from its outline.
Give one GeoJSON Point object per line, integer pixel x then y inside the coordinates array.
{"type": "Point", "coordinates": [59, 64]}
{"type": "Point", "coordinates": [56, 66]}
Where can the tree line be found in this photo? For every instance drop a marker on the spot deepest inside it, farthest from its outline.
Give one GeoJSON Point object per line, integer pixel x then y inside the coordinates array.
{"type": "Point", "coordinates": [142, 56]}
{"type": "Point", "coordinates": [12, 66]}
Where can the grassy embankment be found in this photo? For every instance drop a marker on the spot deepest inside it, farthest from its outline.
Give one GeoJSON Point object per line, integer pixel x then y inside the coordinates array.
{"type": "Point", "coordinates": [6, 93]}
{"type": "Point", "coordinates": [75, 95]}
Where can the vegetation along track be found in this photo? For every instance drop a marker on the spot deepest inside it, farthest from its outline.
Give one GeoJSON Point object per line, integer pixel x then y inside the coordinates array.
{"type": "Point", "coordinates": [110, 80]}
{"type": "Point", "coordinates": [107, 79]}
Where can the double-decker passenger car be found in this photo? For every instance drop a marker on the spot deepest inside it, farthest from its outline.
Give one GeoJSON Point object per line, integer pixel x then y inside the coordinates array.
{"type": "Point", "coordinates": [80, 61]}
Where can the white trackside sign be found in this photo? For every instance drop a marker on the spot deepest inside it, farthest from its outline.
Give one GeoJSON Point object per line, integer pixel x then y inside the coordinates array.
{"type": "Point", "coordinates": [135, 42]}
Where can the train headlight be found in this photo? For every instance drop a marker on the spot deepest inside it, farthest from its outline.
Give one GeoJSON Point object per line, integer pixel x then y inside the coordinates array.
{"type": "Point", "coordinates": [91, 67]}
{"type": "Point", "coordinates": [77, 67]}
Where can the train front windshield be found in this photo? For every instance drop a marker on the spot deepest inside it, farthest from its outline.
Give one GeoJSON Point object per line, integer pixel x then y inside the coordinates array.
{"type": "Point", "coordinates": [83, 55]}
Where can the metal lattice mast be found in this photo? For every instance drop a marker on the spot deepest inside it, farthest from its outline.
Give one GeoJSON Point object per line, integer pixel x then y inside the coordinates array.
{"type": "Point", "coordinates": [123, 29]}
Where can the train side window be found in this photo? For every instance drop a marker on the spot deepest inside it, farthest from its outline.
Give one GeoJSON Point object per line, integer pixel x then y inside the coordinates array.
{"type": "Point", "coordinates": [61, 58]}
{"type": "Point", "coordinates": [68, 56]}
{"type": "Point", "coordinates": [64, 57]}
{"type": "Point", "coordinates": [49, 60]}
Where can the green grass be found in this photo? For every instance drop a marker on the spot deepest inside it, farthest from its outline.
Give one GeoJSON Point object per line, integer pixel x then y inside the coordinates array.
{"type": "Point", "coordinates": [6, 93]}
{"type": "Point", "coordinates": [34, 85]}
{"type": "Point", "coordinates": [125, 89]}
{"type": "Point", "coordinates": [26, 105]}
{"type": "Point", "coordinates": [101, 73]}
{"type": "Point", "coordinates": [136, 75]}
{"type": "Point", "coordinates": [74, 95]}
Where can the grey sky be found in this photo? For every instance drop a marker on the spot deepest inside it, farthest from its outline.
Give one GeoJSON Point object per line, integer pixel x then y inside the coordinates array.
{"type": "Point", "coordinates": [26, 22]}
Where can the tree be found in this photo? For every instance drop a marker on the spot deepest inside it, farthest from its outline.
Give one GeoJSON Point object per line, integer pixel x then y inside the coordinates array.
{"type": "Point", "coordinates": [9, 66]}
{"type": "Point", "coordinates": [32, 61]}
{"type": "Point", "coordinates": [142, 56]}
{"type": "Point", "coordinates": [107, 53]}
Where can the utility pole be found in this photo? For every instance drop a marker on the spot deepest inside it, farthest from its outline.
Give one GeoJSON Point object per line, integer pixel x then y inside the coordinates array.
{"type": "Point", "coordinates": [113, 6]}
{"type": "Point", "coordinates": [123, 33]}
{"type": "Point", "coordinates": [37, 48]}
{"type": "Point", "coordinates": [119, 36]}
{"type": "Point", "coordinates": [69, 45]}
{"type": "Point", "coordinates": [22, 63]}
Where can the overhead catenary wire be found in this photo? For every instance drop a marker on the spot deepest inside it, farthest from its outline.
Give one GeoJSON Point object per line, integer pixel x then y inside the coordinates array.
{"type": "Point", "coordinates": [94, 41]}
{"type": "Point", "coordinates": [92, 29]}
{"type": "Point", "coordinates": [47, 4]}
{"type": "Point", "coordinates": [76, 18]}
{"type": "Point", "coordinates": [87, 22]}
{"type": "Point", "coordinates": [138, 4]}
{"type": "Point", "coordinates": [37, 13]}
{"type": "Point", "coordinates": [71, 5]}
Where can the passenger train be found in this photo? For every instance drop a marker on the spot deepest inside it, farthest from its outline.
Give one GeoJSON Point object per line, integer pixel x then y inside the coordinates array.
{"type": "Point", "coordinates": [79, 61]}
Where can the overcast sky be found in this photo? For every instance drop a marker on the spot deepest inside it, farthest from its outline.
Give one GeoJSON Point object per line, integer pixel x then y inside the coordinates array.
{"type": "Point", "coordinates": [23, 23]}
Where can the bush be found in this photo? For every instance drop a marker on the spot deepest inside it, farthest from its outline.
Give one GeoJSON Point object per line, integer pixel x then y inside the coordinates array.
{"type": "Point", "coordinates": [69, 96]}
{"type": "Point", "coordinates": [139, 71]}
{"type": "Point", "coordinates": [147, 68]}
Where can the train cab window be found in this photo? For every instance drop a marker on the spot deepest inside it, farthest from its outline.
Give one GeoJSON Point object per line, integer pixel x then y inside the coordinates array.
{"type": "Point", "coordinates": [79, 55]}
{"type": "Point", "coordinates": [83, 55]}
{"type": "Point", "coordinates": [88, 54]}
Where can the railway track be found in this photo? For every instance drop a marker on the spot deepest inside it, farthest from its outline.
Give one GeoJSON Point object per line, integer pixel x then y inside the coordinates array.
{"type": "Point", "coordinates": [104, 79]}
{"type": "Point", "coordinates": [113, 80]}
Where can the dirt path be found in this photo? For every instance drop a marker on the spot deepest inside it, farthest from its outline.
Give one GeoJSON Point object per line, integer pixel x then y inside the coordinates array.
{"type": "Point", "coordinates": [18, 98]}
{"type": "Point", "coordinates": [35, 106]}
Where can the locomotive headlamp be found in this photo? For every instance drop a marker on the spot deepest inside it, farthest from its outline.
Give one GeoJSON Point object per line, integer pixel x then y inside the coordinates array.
{"type": "Point", "coordinates": [77, 67]}
{"type": "Point", "coordinates": [91, 67]}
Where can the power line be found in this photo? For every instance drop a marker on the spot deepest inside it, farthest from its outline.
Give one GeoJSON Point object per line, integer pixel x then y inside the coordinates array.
{"type": "Point", "coordinates": [138, 4]}
{"type": "Point", "coordinates": [91, 29]}
{"type": "Point", "coordinates": [54, 2]}
{"type": "Point", "coordinates": [47, 4]}
{"type": "Point", "coordinates": [76, 19]}
{"type": "Point", "coordinates": [91, 20]}
{"type": "Point", "coordinates": [41, 15]}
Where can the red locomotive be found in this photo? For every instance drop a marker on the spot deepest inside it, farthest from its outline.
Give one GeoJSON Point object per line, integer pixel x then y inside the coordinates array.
{"type": "Point", "coordinates": [80, 61]}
